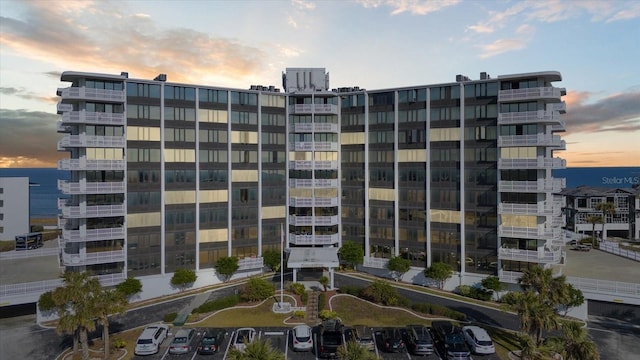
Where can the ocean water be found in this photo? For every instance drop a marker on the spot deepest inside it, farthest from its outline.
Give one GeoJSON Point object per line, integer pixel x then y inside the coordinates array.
{"type": "Point", "coordinates": [44, 197]}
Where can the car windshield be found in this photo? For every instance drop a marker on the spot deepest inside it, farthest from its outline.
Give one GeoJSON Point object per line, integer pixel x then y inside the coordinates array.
{"type": "Point", "coordinates": [144, 341]}
{"type": "Point", "coordinates": [209, 340]}
{"type": "Point", "coordinates": [485, 343]}
{"type": "Point", "coordinates": [179, 340]}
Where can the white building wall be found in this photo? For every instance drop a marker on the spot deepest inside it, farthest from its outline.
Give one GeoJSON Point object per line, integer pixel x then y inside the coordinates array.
{"type": "Point", "coordinates": [14, 207]}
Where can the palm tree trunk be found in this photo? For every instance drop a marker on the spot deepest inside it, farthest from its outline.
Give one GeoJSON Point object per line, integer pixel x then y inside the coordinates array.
{"type": "Point", "coordinates": [76, 341]}
{"type": "Point", "coordinates": [105, 337]}
{"type": "Point", "coordinates": [84, 342]}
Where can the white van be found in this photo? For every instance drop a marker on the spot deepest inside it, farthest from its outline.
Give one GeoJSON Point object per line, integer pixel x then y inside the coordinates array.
{"type": "Point", "coordinates": [149, 341]}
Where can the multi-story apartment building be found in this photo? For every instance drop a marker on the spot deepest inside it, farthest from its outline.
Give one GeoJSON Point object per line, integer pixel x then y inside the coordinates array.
{"type": "Point", "coordinates": [14, 207]}
{"type": "Point", "coordinates": [583, 215]}
{"type": "Point", "coordinates": [168, 175]}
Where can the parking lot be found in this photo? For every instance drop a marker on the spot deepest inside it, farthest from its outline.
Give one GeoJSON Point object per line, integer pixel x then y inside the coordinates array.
{"type": "Point", "coordinates": [281, 339]}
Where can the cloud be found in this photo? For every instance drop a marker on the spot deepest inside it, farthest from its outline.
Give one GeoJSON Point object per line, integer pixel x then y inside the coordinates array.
{"type": "Point", "coordinates": [303, 5]}
{"type": "Point", "coordinates": [91, 37]}
{"type": "Point", "coordinates": [22, 93]}
{"type": "Point", "coordinates": [292, 22]}
{"type": "Point", "coordinates": [616, 113]}
{"type": "Point", "coordinates": [524, 34]}
{"type": "Point", "coordinates": [415, 7]}
{"type": "Point", "coordinates": [29, 140]}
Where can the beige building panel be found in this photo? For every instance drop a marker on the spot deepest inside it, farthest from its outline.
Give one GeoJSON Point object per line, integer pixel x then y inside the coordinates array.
{"type": "Point", "coordinates": [244, 175]}
{"type": "Point", "coordinates": [143, 220]}
{"type": "Point", "coordinates": [274, 212]}
{"type": "Point", "coordinates": [445, 216]}
{"type": "Point", "coordinates": [214, 235]}
{"type": "Point", "coordinates": [352, 139]}
{"type": "Point", "coordinates": [214, 196]}
{"type": "Point", "coordinates": [415, 155]}
{"type": "Point", "coordinates": [382, 194]}
{"type": "Point", "coordinates": [180, 197]}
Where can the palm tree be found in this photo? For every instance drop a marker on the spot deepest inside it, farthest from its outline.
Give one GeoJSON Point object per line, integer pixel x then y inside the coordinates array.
{"type": "Point", "coordinates": [75, 306]}
{"type": "Point", "coordinates": [578, 345]}
{"type": "Point", "coordinates": [355, 351]}
{"type": "Point", "coordinates": [529, 350]}
{"type": "Point", "coordinates": [593, 220]}
{"type": "Point", "coordinates": [107, 302]}
{"type": "Point", "coordinates": [607, 208]}
{"type": "Point", "coordinates": [258, 349]}
{"type": "Point", "coordinates": [538, 280]}
{"type": "Point", "coordinates": [324, 281]}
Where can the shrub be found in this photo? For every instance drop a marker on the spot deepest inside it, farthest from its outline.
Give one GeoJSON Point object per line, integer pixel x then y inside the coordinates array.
{"type": "Point", "coordinates": [257, 289]}
{"type": "Point", "coordinates": [351, 290]}
{"type": "Point", "coordinates": [45, 302]}
{"type": "Point", "coordinates": [474, 292]}
{"type": "Point", "coordinates": [435, 309]}
{"type": "Point", "coordinates": [217, 304]}
{"type": "Point", "coordinates": [321, 300]}
{"type": "Point", "coordinates": [304, 297]}
{"type": "Point", "coordinates": [327, 314]}
{"type": "Point", "coordinates": [297, 288]}
{"type": "Point", "coordinates": [130, 286]}
{"type": "Point", "coordinates": [170, 317]}
{"type": "Point", "coordinates": [299, 314]}
{"type": "Point", "coordinates": [380, 292]}
{"type": "Point", "coordinates": [118, 343]}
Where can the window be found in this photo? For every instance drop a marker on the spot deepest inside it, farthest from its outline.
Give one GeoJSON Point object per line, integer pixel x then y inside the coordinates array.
{"type": "Point", "coordinates": [179, 93]}
{"type": "Point", "coordinates": [213, 96]}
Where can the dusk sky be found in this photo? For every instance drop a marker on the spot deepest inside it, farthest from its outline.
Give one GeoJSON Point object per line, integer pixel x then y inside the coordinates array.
{"type": "Point", "coordinates": [374, 44]}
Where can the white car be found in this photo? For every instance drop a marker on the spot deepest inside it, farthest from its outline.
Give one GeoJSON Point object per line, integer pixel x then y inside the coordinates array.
{"type": "Point", "coordinates": [478, 340]}
{"type": "Point", "coordinates": [243, 337]}
{"type": "Point", "coordinates": [302, 338]}
{"type": "Point", "coordinates": [149, 341]}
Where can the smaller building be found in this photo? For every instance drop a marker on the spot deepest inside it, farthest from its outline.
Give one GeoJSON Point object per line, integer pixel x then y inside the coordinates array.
{"type": "Point", "coordinates": [583, 215]}
{"type": "Point", "coordinates": [14, 207]}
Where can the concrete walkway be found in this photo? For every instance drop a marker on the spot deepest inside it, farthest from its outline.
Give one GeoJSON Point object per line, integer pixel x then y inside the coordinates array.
{"type": "Point", "coordinates": [183, 314]}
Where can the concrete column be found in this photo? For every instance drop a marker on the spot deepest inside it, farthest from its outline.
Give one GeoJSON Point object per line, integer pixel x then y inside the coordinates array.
{"type": "Point", "coordinates": [331, 279]}
{"type": "Point", "coordinates": [295, 275]}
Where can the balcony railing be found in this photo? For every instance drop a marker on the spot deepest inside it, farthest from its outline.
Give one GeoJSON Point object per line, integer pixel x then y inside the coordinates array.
{"type": "Point", "coordinates": [315, 146]}
{"type": "Point", "coordinates": [530, 140]}
{"type": "Point", "coordinates": [538, 186]}
{"type": "Point", "coordinates": [317, 202]}
{"type": "Point", "coordinates": [91, 141]}
{"type": "Point", "coordinates": [538, 163]}
{"type": "Point", "coordinates": [89, 117]}
{"type": "Point", "coordinates": [311, 165]}
{"type": "Point", "coordinates": [313, 220]}
{"type": "Point", "coordinates": [69, 187]}
{"type": "Point", "coordinates": [540, 209]}
{"type": "Point", "coordinates": [313, 108]}
{"type": "Point", "coordinates": [84, 164]}
{"type": "Point", "coordinates": [84, 93]}
{"type": "Point", "coordinates": [83, 211]}
{"type": "Point", "coordinates": [93, 234]}
{"type": "Point", "coordinates": [531, 94]}
{"type": "Point", "coordinates": [62, 108]}
{"type": "Point", "coordinates": [250, 263]}
{"type": "Point", "coordinates": [374, 262]}
{"type": "Point", "coordinates": [102, 257]}
{"type": "Point", "coordinates": [605, 286]}
{"type": "Point", "coordinates": [314, 239]}
{"type": "Point", "coordinates": [313, 183]}
{"type": "Point", "coordinates": [8, 255]}
{"type": "Point", "coordinates": [316, 127]}
{"type": "Point", "coordinates": [533, 256]}
{"type": "Point", "coordinates": [38, 287]}
{"type": "Point", "coordinates": [539, 232]}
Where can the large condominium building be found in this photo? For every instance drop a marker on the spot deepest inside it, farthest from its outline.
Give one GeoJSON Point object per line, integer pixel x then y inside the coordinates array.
{"type": "Point", "coordinates": [167, 175]}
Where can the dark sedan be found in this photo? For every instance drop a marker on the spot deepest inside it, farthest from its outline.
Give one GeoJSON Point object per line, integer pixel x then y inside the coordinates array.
{"type": "Point", "coordinates": [211, 341]}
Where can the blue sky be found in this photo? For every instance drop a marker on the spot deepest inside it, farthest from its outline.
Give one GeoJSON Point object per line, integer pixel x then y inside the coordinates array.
{"type": "Point", "coordinates": [373, 44]}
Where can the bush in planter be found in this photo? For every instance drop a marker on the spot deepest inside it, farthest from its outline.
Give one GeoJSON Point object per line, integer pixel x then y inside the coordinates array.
{"type": "Point", "coordinates": [170, 317]}
{"type": "Point", "coordinates": [299, 314]}
{"type": "Point", "coordinates": [297, 288]}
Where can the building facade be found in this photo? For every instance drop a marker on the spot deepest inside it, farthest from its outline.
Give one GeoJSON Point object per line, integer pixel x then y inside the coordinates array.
{"type": "Point", "coordinates": [167, 176]}
{"type": "Point", "coordinates": [14, 207]}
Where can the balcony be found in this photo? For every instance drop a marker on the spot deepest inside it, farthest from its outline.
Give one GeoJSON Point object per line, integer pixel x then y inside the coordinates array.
{"type": "Point", "coordinates": [84, 93]}
{"type": "Point", "coordinates": [539, 186]}
{"type": "Point", "coordinates": [83, 211]}
{"type": "Point", "coordinates": [530, 117]}
{"type": "Point", "coordinates": [510, 277]}
{"type": "Point", "coordinates": [316, 127]}
{"type": "Point", "coordinates": [84, 164]}
{"type": "Point", "coordinates": [549, 93]}
{"type": "Point", "coordinates": [74, 141]}
{"type": "Point", "coordinates": [313, 183]}
{"type": "Point", "coordinates": [311, 165]}
{"type": "Point", "coordinates": [102, 257]}
{"type": "Point", "coordinates": [540, 232]}
{"type": "Point", "coordinates": [313, 109]}
{"type": "Point", "coordinates": [314, 239]}
{"type": "Point", "coordinates": [93, 234]}
{"type": "Point", "coordinates": [63, 108]}
{"type": "Point", "coordinates": [75, 188]}
{"type": "Point", "coordinates": [376, 263]}
{"type": "Point", "coordinates": [313, 220]}
{"type": "Point", "coordinates": [314, 202]}
{"type": "Point", "coordinates": [537, 163]}
{"type": "Point", "coordinates": [315, 146]}
{"type": "Point", "coordinates": [540, 209]}
{"type": "Point", "coordinates": [531, 140]}
{"type": "Point", "coordinates": [540, 256]}
{"type": "Point", "coordinates": [250, 263]}
{"type": "Point", "coordinates": [88, 117]}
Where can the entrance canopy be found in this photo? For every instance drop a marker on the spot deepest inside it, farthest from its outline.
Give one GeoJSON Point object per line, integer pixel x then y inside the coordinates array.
{"type": "Point", "coordinates": [313, 258]}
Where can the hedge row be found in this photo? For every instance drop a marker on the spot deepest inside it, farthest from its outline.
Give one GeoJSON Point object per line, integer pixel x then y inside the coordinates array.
{"type": "Point", "coordinates": [217, 304]}
{"type": "Point", "coordinates": [439, 310]}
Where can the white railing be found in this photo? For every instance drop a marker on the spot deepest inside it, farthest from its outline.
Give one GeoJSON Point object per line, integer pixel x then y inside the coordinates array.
{"type": "Point", "coordinates": [374, 262]}
{"type": "Point", "coordinates": [84, 164]}
{"type": "Point", "coordinates": [83, 211]}
{"type": "Point", "coordinates": [90, 117]}
{"type": "Point", "coordinates": [313, 220]}
{"type": "Point", "coordinates": [541, 185]}
{"type": "Point", "coordinates": [531, 93]}
{"type": "Point", "coordinates": [314, 239]}
{"type": "Point", "coordinates": [310, 165]}
{"type": "Point", "coordinates": [539, 232]}
{"type": "Point", "coordinates": [102, 257]}
{"type": "Point", "coordinates": [605, 286]}
{"type": "Point", "coordinates": [22, 254]}
{"type": "Point", "coordinates": [538, 163]}
{"type": "Point", "coordinates": [39, 287]}
{"type": "Point", "coordinates": [112, 187]}
{"type": "Point", "coordinates": [313, 108]}
{"type": "Point", "coordinates": [85, 93]}
{"type": "Point", "coordinates": [62, 108]}
{"type": "Point", "coordinates": [93, 234]}
{"type": "Point", "coordinates": [511, 277]}
{"type": "Point", "coordinates": [530, 140]}
{"type": "Point", "coordinates": [313, 183]}
{"type": "Point", "coordinates": [91, 141]}
{"type": "Point", "coordinates": [316, 127]}
{"type": "Point", "coordinates": [314, 146]}
{"type": "Point", "coordinates": [535, 256]}
{"type": "Point", "coordinates": [614, 248]}
{"type": "Point", "coordinates": [250, 263]}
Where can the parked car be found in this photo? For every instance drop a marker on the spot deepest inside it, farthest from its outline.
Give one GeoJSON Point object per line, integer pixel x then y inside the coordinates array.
{"type": "Point", "coordinates": [243, 337]}
{"type": "Point", "coordinates": [181, 343]}
{"type": "Point", "coordinates": [450, 340]}
{"type": "Point", "coordinates": [149, 341]}
{"type": "Point", "coordinates": [423, 343]}
{"type": "Point", "coordinates": [364, 337]}
{"type": "Point", "coordinates": [211, 341]}
{"type": "Point", "coordinates": [302, 338]}
{"type": "Point", "coordinates": [331, 338]}
{"type": "Point", "coordinates": [478, 340]}
{"type": "Point", "coordinates": [392, 340]}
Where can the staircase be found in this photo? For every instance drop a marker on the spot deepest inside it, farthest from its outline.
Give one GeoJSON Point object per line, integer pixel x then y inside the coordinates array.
{"type": "Point", "coordinates": [312, 308]}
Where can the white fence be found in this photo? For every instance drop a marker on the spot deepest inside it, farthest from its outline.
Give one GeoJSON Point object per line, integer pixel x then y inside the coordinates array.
{"type": "Point", "coordinates": [613, 248]}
